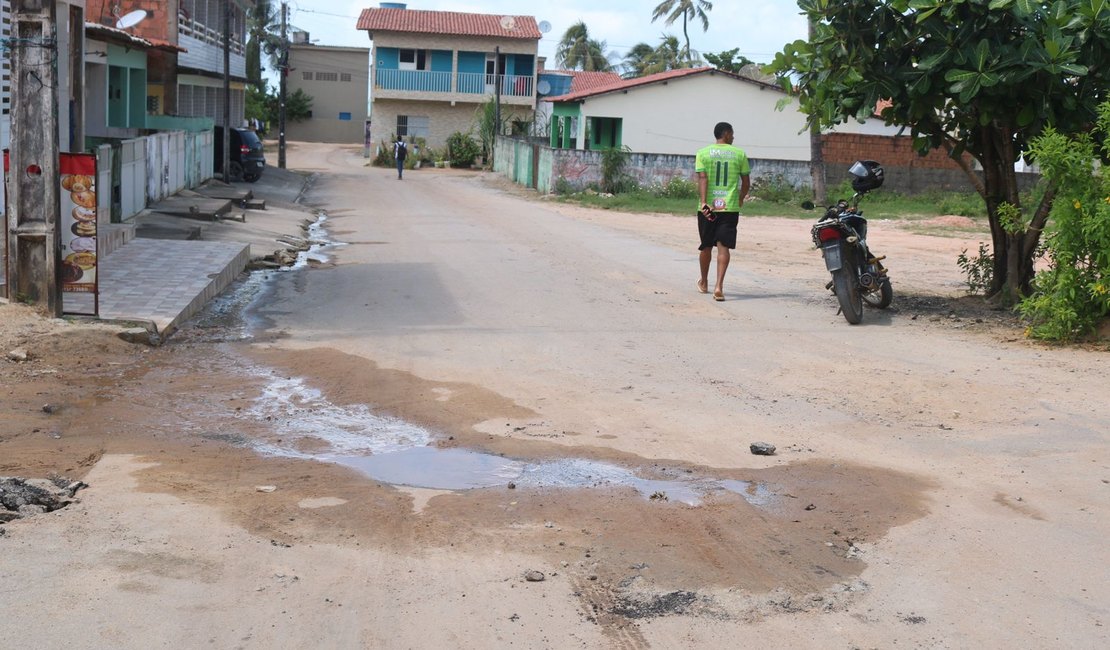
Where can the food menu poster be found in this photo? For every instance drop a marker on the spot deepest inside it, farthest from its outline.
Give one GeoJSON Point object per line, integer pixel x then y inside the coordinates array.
{"type": "Point", "coordinates": [78, 222]}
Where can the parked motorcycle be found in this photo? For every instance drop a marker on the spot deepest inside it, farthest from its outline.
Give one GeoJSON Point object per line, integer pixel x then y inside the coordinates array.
{"type": "Point", "coordinates": [858, 275]}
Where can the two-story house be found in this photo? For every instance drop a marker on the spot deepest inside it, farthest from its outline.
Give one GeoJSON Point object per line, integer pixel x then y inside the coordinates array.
{"type": "Point", "coordinates": [433, 69]}
{"type": "Point", "coordinates": [336, 78]}
{"type": "Point", "coordinates": [185, 70]}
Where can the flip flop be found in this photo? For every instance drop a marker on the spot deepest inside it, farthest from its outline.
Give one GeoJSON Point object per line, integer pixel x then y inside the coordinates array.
{"type": "Point", "coordinates": [719, 296]}
{"type": "Point", "coordinates": [702, 289]}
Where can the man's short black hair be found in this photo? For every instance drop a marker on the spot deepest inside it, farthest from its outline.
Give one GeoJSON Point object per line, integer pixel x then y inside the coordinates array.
{"type": "Point", "coordinates": [720, 129]}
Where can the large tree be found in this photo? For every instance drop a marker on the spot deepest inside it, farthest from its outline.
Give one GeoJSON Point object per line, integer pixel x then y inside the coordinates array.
{"type": "Point", "coordinates": [977, 78]}
{"type": "Point", "coordinates": [688, 10]}
{"type": "Point", "coordinates": [577, 51]}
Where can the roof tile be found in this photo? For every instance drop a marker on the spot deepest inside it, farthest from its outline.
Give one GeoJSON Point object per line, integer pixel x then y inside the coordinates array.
{"type": "Point", "coordinates": [418, 21]}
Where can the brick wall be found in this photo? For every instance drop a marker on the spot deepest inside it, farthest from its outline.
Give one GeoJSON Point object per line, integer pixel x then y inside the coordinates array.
{"type": "Point", "coordinates": [846, 148]}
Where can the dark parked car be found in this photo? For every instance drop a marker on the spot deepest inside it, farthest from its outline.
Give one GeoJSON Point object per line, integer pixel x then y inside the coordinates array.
{"type": "Point", "coordinates": [247, 159]}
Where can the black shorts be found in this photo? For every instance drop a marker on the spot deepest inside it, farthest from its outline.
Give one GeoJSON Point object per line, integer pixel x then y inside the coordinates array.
{"type": "Point", "coordinates": [722, 230]}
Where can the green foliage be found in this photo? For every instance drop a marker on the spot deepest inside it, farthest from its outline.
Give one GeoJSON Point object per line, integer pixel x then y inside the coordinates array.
{"type": "Point", "coordinates": [485, 118]}
{"type": "Point", "coordinates": [462, 149]}
{"type": "Point", "coordinates": [689, 11]}
{"type": "Point", "coordinates": [1073, 295]}
{"type": "Point", "coordinates": [974, 77]}
{"type": "Point", "coordinates": [563, 186]}
{"type": "Point", "coordinates": [978, 270]}
{"type": "Point", "coordinates": [298, 106]}
{"type": "Point", "coordinates": [614, 175]}
{"type": "Point", "coordinates": [577, 51]}
{"type": "Point", "coordinates": [261, 104]}
{"type": "Point", "coordinates": [774, 187]}
{"type": "Point", "coordinates": [1010, 218]}
{"type": "Point", "coordinates": [729, 60]}
{"type": "Point", "coordinates": [675, 188]}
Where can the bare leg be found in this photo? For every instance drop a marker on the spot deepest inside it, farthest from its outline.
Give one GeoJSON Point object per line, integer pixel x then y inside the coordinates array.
{"type": "Point", "coordinates": [703, 260]}
{"type": "Point", "coordinates": [723, 257]}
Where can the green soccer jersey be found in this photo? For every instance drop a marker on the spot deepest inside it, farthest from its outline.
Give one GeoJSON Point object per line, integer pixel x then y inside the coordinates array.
{"type": "Point", "coordinates": [723, 164]}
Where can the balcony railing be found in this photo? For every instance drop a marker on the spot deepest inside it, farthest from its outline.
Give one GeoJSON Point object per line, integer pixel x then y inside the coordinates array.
{"type": "Point", "coordinates": [467, 83]}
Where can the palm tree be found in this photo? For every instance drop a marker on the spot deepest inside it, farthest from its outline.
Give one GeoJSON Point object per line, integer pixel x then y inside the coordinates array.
{"type": "Point", "coordinates": [262, 36]}
{"type": "Point", "coordinates": [577, 51]}
{"type": "Point", "coordinates": [688, 10]}
{"type": "Point", "coordinates": [637, 60]}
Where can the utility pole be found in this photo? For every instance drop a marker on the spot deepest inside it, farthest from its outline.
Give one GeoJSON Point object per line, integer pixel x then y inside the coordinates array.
{"type": "Point", "coordinates": [283, 72]}
{"type": "Point", "coordinates": [34, 243]}
{"type": "Point", "coordinates": [226, 153]}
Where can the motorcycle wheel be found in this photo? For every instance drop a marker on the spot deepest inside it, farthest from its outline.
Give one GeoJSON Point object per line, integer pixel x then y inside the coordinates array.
{"type": "Point", "coordinates": [880, 300]}
{"type": "Point", "coordinates": [851, 302]}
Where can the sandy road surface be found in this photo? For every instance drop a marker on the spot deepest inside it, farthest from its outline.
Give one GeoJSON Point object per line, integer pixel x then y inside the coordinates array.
{"type": "Point", "coordinates": [957, 474]}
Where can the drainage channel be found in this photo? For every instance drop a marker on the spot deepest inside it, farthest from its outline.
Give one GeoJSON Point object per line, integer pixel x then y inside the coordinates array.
{"type": "Point", "coordinates": [306, 425]}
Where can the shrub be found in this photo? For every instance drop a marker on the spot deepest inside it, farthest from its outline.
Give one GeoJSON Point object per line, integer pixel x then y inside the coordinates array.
{"type": "Point", "coordinates": [1073, 295]}
{"type": "Point", "coordinates": [462, 149]}
{"type": "Point", "coordinates": [563, 186]}
{"type": "Point", "coordinates": [614, 178]}
{"type": "Point", "coordinates": [774, 188]}
{"type": "Point", "coordinates": [978, 271]}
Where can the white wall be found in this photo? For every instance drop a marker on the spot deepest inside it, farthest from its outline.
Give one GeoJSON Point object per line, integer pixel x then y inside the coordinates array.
{"type": "Point", "coordinates": [677, 117]}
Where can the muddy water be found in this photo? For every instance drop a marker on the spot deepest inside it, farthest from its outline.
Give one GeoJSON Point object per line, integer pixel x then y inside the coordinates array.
{"type": "Point", "coordinates": [792, 526]}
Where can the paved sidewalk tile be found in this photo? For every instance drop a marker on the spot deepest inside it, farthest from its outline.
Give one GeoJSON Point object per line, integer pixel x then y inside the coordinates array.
{"type": "Point", "coordinates": [162, 281]}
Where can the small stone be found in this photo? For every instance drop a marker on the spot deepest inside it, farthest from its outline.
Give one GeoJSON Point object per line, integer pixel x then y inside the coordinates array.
{"type": "Point", "coordinates": [49, 408]}
{"type": "Point", "coordinates": [592, 577]}
{"type": "Point", "coordinates": [534, 576]}
{"type": "Point", "coordinates": [811, 507]}
{"type": "Point", "coordinates": [548, 524]}
{"type": "Point", "coordinates": [266, 488]}
{"type": "Point", "coordinates": [139, 335]}
{"type": "Point", "coordinates": [762, 449]}
{"type": "Point", "coordinates": [512, 486]}
{"type": "Point", "coordinates": [19, 355]}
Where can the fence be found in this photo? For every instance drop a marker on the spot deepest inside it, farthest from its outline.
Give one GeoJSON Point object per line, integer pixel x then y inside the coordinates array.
{"type": "Point", "coordinates": [544, 168]}
{"type": "Point", "coordinates": [133, 174]}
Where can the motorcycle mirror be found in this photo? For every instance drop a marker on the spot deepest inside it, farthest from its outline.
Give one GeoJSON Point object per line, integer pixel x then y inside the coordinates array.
{"type": "Point", "coordinates": [807, 205]}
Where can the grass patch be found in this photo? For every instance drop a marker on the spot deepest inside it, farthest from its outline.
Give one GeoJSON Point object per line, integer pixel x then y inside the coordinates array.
{"type": "Point", "coordinates": [877, 205]}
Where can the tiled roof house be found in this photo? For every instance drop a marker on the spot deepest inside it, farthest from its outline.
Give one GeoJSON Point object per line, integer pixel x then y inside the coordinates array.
{"type": "Point", "coordinates": [432, 69]}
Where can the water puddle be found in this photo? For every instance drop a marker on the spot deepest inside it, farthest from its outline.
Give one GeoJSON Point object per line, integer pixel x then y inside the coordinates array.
{"type": "Point", "coordinates": [306, 425]}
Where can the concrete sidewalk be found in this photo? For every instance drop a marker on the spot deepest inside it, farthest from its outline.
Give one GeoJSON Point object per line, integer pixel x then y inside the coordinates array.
{"type": "Point", "coordinates": [162, 282]}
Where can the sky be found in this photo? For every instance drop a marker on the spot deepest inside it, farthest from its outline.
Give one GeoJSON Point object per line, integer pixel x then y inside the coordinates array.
{"type": "Point", "coordinates": [760, 28]}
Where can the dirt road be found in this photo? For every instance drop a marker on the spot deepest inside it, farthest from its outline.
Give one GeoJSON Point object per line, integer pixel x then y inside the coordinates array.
{"type": "Point", "coordinates": [939, 481]}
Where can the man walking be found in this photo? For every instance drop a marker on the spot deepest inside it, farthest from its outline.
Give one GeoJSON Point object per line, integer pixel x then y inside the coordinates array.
{"type": "Point", "coordinates": [724, 178]}
{"type": "Point", "coordinates": [400, 152]}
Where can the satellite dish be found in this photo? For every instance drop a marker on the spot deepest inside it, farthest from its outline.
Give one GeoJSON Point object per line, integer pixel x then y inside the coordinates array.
{"type": "Point", "coordinates": [131, 19]}
{"type": "Point", "coordinates": [545, 27]}
{"type": "Point", "coordinates": [508, 23]}
{"type": "Point", "coordinates": [543, 87]}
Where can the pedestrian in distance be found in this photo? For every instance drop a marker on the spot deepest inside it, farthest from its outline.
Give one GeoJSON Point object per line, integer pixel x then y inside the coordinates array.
{"type": "Point", "coordinates": [400, 152]}
{"type": "Point", "coordinates": [724, 178]}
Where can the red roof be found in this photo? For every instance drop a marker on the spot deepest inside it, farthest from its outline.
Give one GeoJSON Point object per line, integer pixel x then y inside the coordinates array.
{"type": "Point", "coordinates": [454, 23]}
{"type": "Point", "coordinates": [586, 81]}
{"type": "Point", "coordinates": [625, 84]}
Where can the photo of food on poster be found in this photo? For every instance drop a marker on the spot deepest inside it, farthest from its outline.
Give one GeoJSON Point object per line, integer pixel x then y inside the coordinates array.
{"type": "Point", "coordinates": [78, 223]}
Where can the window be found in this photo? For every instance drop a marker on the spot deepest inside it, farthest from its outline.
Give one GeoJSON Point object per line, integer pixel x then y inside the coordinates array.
{"type": "Point", "coordinates": [345, 76]}
{"type": "Point", "coordinates": [327, 76]}
{"type": "Point", "coordinates": [345, 117]}
{"type": "Point", "coordinates": [307, 76]}
{"type": "Point", "coordinates": [413, 60]}
{"type": "Point", "coordinates": [415, 126]}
